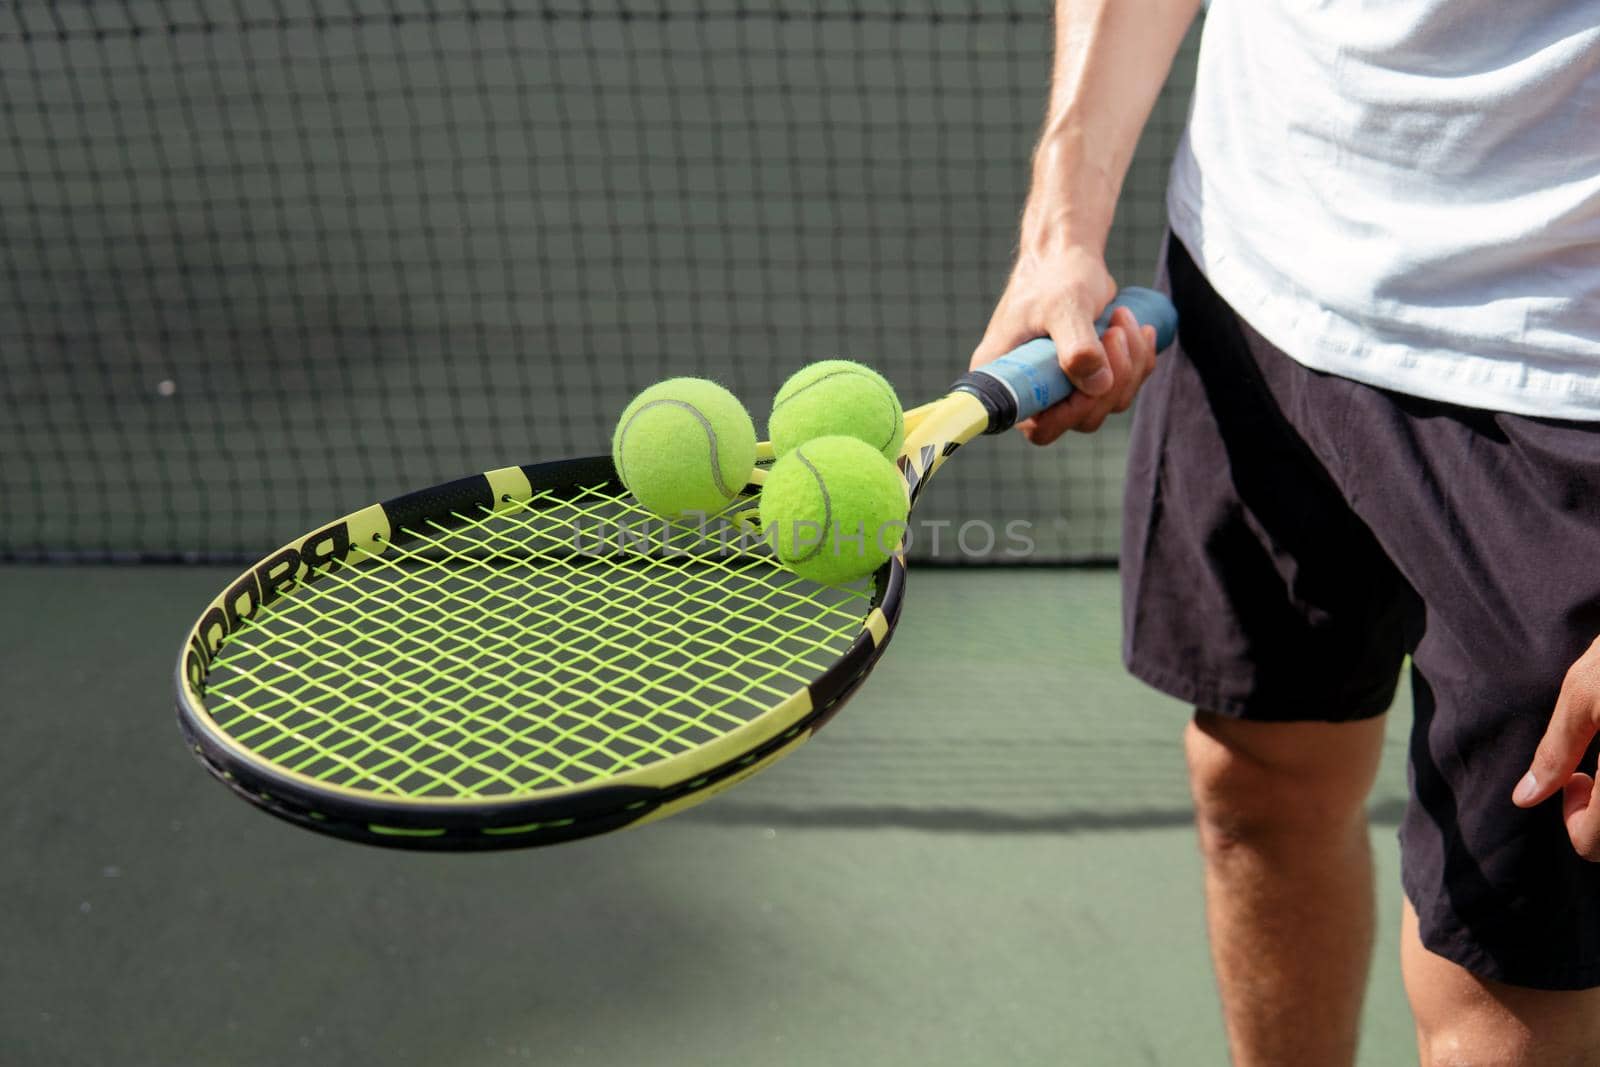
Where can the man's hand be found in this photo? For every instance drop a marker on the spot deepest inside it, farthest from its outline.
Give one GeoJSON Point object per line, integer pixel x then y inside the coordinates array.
{"type": "Point", "coordinates": [1555, 764]}
{"type": "Point", "coordinates": [1059, 294]}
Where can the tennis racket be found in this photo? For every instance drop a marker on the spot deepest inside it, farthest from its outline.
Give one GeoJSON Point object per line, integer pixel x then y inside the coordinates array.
{"type": "Point", "coordinates": [525, 656]}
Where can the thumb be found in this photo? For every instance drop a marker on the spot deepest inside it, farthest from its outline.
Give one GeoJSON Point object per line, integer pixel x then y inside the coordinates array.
{"type": "Point", "coordinates": [1558, 754]}
{"type": "Point", "coordinates": [1082, 358]}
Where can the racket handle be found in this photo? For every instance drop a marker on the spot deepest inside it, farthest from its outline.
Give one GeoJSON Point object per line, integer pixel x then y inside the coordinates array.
{"type": "Point", "coordinates": [1028, 379]}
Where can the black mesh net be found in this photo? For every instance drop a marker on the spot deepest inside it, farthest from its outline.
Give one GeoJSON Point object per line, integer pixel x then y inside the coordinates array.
{"type": "Point", "coordinates": [262, 263]}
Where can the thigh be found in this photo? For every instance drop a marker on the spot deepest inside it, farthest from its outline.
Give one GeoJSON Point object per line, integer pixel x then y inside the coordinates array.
{"type": "Point", "coordinates": [1494, 520]}
{"type": "Point", "coordinates": [1250, 586]}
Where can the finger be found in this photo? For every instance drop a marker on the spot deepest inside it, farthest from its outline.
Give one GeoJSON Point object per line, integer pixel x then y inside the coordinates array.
{"type": "Point", "coordinates": [1144, 359]}
{"type": "Point", "coordinates": [1125, 318]}
{"type": "Point", "coordinates": [1571, 729]}
{"type": "Point", "coordinates": [1120, 361]}
{"type": "Point", "coordinates": [1092, 422]}
{"type": "Point", "coordinates": [1048, 426]}
{"type": "Point", "coordinates": [1581, 813]}
{"type": "Point", "coordinates": [1130, 375]}
{"type": "Point", "coordinates": [1141, 346]}
{"type": "Point", "coordinates": [1140, 343]}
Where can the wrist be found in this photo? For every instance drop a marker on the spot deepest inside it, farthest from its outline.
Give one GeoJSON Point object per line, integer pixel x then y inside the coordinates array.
{"type": "Point", "coordinates": [1071, 200]}
{"type": "Point", "coordinates": [1062, 226]}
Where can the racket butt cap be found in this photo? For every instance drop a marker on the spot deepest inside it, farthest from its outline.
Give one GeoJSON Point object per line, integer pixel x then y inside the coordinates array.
{"type": "Point", "coordinates": [997, 399]}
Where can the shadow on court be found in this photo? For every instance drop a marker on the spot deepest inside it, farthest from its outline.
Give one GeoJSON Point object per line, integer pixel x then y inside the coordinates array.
{"type": "Point", "coordinates": [966, 867]}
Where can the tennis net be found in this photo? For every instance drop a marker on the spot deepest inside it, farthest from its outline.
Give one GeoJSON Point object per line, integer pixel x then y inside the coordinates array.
{"type": "Point", "coordinates": [260, 263]}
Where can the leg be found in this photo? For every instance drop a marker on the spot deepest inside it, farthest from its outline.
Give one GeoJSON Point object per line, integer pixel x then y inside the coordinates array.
{"type": "Point", "coordinates": [1464, 1020]}
{"type": "Point", "coordinates": [1281, 812]}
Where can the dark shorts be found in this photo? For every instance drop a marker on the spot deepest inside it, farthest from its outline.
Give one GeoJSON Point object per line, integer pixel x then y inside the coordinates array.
{"type": "Point", "coordinates": [1291, 536]}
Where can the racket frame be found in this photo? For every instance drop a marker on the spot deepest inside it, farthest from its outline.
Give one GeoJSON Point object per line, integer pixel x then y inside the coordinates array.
{"type": "Point", "coordinates": [478, 823]}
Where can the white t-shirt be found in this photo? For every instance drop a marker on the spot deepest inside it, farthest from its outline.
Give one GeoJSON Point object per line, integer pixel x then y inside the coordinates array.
{"type": "Point", "coordinates": [1406, 192]}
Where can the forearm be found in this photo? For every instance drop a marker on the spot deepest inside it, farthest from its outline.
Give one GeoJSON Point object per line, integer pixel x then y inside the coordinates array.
{"type": "Point", "coordinates": [1111, 59]}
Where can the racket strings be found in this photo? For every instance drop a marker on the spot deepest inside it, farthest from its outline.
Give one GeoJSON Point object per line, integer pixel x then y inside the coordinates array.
{"type": "Point", "coordinates": [503, 655]}
{"type": "Point", "coordinates": [436, 648]}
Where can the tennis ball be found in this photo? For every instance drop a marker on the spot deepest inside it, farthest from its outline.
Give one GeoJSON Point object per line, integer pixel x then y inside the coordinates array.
{"type": "Point", "coordinates": [684, 445]}
{"type": "Point", "coordinates": [837, 396]}
{"type": "Point", "coordinates": [833, 509]}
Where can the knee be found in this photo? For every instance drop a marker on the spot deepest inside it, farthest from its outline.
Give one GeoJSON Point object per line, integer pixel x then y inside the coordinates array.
{"type": "Point", "coordinates": [1467, 1021]}
{"type": "Point", "coordinates": [1257, 783]}
{"type": "Point", "coordinates": [1463, 1044]}
{"type": "Point", "coordinates": [1480, 1031]}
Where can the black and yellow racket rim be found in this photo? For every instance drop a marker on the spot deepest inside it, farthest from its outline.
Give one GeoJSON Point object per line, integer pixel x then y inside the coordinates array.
{"type": "Point", "coordinates": [517, 658]}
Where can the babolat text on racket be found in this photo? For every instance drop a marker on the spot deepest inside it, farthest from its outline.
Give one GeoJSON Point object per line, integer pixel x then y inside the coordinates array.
{"type": "Point", "coordinates": [526, 656]}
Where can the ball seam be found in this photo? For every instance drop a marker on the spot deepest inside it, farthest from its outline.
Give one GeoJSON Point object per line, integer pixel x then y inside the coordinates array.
{"type": "Point", "coordinates": [827, 509]}
{"type": "Point", "coordinates": [705, 424]}
{"type": "Point", "coordinates": [884, 390]}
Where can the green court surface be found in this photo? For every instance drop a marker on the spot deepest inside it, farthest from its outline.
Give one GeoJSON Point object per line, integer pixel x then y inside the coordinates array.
{"type": "Point", "coordinates": [1018, 886]}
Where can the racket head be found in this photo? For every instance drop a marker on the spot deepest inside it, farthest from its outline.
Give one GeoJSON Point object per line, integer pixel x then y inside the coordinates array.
{"type": "Point", "coordinates": [459, 669]}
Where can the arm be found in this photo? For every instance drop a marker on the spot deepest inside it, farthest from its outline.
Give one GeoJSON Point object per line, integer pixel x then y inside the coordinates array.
{"type": "Point", "coordinates": [1112, 57]}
